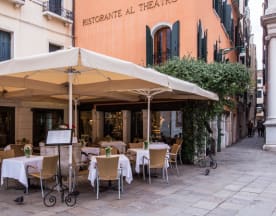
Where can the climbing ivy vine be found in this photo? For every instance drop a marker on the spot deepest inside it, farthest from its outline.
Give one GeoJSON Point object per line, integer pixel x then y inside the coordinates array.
{"type": "Point", "coordinates": [227, 80]}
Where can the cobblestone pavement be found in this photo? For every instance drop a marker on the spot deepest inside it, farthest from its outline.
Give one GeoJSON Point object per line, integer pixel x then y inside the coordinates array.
{"type": "Point", "coordinates": [243, 185]}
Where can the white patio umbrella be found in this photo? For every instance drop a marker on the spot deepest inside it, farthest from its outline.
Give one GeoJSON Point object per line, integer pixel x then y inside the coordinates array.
{"type": "Point", "coordinates": [89, 75]}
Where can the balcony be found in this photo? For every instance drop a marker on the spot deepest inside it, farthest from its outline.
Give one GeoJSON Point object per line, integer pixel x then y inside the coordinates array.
{"type": "Point", "coordinates": [51, 10]}
{"type": "Point", "coordinates": [17, 3]}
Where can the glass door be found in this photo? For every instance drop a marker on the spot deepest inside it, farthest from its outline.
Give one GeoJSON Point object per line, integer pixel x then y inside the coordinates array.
{"type": "Point", "coordinates": [44, 120]}
{"type": "Point", "coordinates": [136, 126]}
{"type": "Point", "coordinates": [85, 126]}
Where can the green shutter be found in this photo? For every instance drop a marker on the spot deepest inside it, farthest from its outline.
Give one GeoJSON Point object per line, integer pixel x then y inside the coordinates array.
{"type": "Point", "coordinates": [175, 40]}
{"type": "Point", "coordinates": [149, 46]}
{"type": "Point", "coordinates": [227, 21]}
{"type": "Point", "coordinates": [199, 40]}
{"type": "Point", "coordinates": [204, 47]}
{"type": "Point", "coordinates": [5, 45]}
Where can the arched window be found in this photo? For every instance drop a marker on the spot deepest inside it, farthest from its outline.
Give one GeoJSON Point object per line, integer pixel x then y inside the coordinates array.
{"type": "Point", "coordinates": [162, 45]}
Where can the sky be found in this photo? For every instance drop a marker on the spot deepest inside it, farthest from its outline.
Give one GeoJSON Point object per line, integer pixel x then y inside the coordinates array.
{"type": "Point", "coordinates": [256, 11]}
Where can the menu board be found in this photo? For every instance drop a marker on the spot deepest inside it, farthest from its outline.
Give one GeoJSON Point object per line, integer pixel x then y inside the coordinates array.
{"type": "Point", "coordinates": [59, 137]}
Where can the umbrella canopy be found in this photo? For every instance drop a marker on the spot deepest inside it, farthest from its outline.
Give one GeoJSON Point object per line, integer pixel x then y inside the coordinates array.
{"type": "Point", "coordinates": [94, 77]}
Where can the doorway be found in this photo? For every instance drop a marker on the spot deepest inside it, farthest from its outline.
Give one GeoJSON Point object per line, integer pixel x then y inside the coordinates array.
{"type": "Point", "coordinates": [7, 126]}
{"type": "Point", "coordinates": [44, 120]}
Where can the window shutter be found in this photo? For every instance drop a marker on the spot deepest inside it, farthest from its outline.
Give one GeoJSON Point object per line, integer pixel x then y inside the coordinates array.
{"type": "Point", "coordinates": [199, 40]}
{"type": "Point", "coordinates": [175, 39]}
{"type": "Point", "coordinates": [5, 46]}
{"type": "Point", "coordinates": [227, 21]}
{"type": "Point", "coordinates": [149, 47]}
{"type": "Point", "coordinates": [220, 9]}
{"type": "Point", "coordinates": [204, 47]}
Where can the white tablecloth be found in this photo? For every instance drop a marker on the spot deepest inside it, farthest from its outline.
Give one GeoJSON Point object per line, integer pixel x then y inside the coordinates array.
{"type": "Point", "coordinates": [124, 163]}
{"type": "Point", "coordinates": [140, 153]}
{"type": "Point", "coordinates": [158, 145]}
{"type": "Point", "coordinates": [89, 150]}
{"type": "Point", "coordinates": [120, 145]}
{"type": "Point", "coordinates": [16, 168]}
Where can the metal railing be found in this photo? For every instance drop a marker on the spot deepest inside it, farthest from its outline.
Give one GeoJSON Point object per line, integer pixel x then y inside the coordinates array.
{"type": "Point", "coordinates": [57, 9]}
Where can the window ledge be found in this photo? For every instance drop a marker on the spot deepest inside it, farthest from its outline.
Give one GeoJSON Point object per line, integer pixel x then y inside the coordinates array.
{"type": "Point", "coordinates": [51, 15]}
{"type": "Point", "coordinates": [18, 3]}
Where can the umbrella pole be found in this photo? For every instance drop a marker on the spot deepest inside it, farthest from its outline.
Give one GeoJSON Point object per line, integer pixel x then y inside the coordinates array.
{"type": "Point", "coordinates": [148, 129]}
{"type": "Point", "coordinates": [76, 101]}
{"type": "Point", "coordinates": [70, 78]}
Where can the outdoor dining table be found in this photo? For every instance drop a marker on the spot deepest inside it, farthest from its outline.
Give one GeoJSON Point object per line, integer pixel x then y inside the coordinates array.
{"type": "Point", "coordinates": [141, 153]}
{"type": "Point", "coordinates": [120, 145]}
{"type": "Point", "coordinates": [18, 167]}
{"type": "Point", "coordinates": [124, 164]}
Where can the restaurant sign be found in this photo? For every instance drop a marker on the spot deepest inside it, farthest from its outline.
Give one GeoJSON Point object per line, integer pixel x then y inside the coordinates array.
{"type": "Point", "coordinates": [115, 14]}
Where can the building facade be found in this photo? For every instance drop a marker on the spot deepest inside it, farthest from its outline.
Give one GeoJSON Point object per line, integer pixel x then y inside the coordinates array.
{"type": "Point", "coordinates": [30, 28]}
{"type": "Point", "coordinates": [151, 32]}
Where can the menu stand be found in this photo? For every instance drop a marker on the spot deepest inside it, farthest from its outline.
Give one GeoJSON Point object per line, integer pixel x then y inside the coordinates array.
{"type": "Point", "coordinates": [58, 138]}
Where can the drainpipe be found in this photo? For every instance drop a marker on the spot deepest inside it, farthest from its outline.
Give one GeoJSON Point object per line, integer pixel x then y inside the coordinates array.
{"type": "Point", "coordinates": [73, 25]}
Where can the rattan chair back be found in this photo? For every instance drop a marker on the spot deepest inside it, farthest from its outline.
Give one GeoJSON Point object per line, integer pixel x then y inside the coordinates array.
{"type": "Point", "coordinates": [135, 145]}
{"type": "Point", "coordinates": [174, 151]}
{"type": "Point", "coordinates": [18, 149]}
{"type": "Point", "coordinates": [49, 166]}
{"type": "Point", "coordinates": [157, 158]}
{"type": "Point", "coordinates": [6, 154]}
{"type": "Point", "coordinates": [107, 167]}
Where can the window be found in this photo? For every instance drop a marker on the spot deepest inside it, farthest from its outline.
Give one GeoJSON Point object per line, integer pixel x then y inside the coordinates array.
{"type": "Point", "coordinates": [113, 125]}
{"type": "Point", "coordinates": [54, 47]}
{"type": "Point", "coordinates": [44, 120]}
{"type": "Point", "coordinates": [5, 45]}
{"type": "Point", "coordinates": [259, 94]}
{"type": "Point", "coordinates": [163, 44]}
{"type": "Point", "coordinates": [136, 126]}
{"type": "Point", "coordinates": [55, 6]}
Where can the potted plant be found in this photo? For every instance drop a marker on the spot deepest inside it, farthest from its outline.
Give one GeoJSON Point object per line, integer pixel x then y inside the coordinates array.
{"type": "Point", "coordinates": [146, 144]}
{"type": "Point", "coordinates": [28, 150]}
{"type": "Point", "coordinates": [108, 151]}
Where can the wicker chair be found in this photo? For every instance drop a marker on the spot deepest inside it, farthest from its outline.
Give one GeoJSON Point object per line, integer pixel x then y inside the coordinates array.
{"type": "Point", "coordinates": [173, 156]}
{"type": "Point", "coordinates": [18, 149]}
{"type": "Point", "coordinates": [4, 155]}
{"type": "Point", "coordinates": [135, 145]}
{"type": "Point", "coordinates": [131, 155]}
{"type": "Point", "coordinates": [48, 170]}
{"type": "Point", "coordinates": [157, 160]}
{"type": "Point", "coordinates": [80, 168]}
{"type": "Point", "coordinates": [107, 170]}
